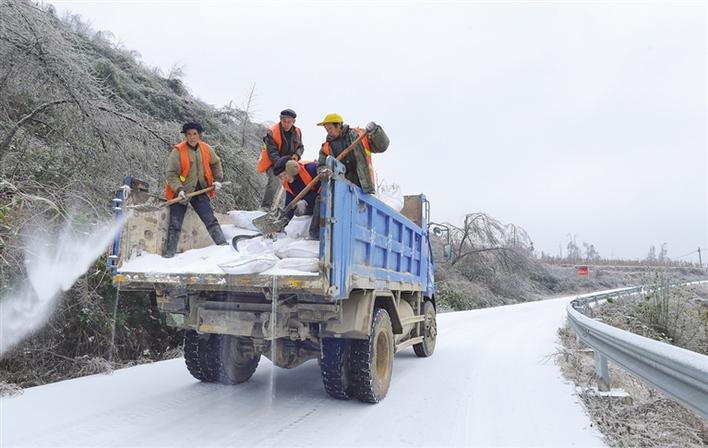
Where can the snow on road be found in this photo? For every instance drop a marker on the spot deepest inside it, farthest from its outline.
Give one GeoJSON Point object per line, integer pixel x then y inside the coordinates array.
{"type": "Point", "coordinates": [489, 383]}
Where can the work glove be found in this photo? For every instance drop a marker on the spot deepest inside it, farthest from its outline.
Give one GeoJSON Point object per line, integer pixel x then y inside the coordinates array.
{"type": "Point", "coordinates": [217, 185]}
{"type": "Point", "coordinates": [183, 196]}
{"type": "Point", "coordinates": [371, 127]}
{"type": "Point", "coordinates": [301, 207]}
{"type": "Point", "coordinates": [325, 173]}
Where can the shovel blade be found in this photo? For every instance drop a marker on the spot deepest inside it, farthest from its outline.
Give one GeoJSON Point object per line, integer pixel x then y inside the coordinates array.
{"type": "Point", "coordinates": [272, 222]}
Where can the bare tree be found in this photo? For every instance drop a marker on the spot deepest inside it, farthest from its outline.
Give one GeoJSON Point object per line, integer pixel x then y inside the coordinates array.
{"type": "Point", "coordinates": [651, 256]}
{"type": "Point", "coordinates": [591, 254]}
{"type": "Point", "coordinates": [662, 258]}
{"type": "Point", "coordinates": [573, 249]}
{"type": "Point", "coordinates": [176, 71]}
{"type": "Point", "coordinates": [247, 115]}
{"type": "Point", "coordinates": [482, 233]}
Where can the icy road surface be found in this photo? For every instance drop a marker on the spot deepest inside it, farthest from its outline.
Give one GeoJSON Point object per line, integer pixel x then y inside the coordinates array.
{"type": "Point", "coordinates": [490, 383]}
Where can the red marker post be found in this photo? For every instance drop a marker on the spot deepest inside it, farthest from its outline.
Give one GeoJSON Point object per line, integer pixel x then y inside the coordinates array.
{"type": "Point", "coordinates": [582, 271]}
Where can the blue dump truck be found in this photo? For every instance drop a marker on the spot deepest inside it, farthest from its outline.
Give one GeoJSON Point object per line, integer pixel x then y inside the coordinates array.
{"type": "Point", "coordinates": [373, 296]}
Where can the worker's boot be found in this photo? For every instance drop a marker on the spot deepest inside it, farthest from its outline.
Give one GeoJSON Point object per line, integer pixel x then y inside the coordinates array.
{"type": "Point", "coordinates": [174, 229]}
{"type": "Point", "coordinates": [217, 235]}
{"type": "Point", "coordinates": [171, 246]}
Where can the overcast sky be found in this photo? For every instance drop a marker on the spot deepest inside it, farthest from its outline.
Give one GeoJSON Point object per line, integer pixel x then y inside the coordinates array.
{"type": "Point", "coordinates": [564, 118]}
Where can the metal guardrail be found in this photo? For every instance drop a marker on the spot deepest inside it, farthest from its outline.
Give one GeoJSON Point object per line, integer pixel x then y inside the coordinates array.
{"type": "Point", "coordinates": [680, 373]}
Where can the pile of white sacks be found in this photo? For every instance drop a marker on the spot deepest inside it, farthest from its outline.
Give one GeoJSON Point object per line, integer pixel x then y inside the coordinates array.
{"type": "Point", "coordinates": [287, 252]}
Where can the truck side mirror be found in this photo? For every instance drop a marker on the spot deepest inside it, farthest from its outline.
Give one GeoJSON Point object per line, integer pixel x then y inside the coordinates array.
{"type": "Point", "coordinates": [447, 251]}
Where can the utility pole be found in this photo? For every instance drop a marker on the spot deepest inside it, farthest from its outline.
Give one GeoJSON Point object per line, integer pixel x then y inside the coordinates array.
{"type": "Point", "coordinates": [700, 260]}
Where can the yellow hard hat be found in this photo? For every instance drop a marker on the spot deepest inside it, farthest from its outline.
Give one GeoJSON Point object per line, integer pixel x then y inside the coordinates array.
{"type": "Point", "coordinates": [331, 118]}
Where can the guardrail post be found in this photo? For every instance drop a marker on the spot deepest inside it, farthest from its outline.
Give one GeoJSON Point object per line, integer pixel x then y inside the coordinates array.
{"type": "Point", "coordinates": [603, 374]}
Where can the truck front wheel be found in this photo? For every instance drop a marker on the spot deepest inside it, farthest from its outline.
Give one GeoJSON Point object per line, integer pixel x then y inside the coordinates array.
{"type": "Point", "coordinates": [430, 332]}
{"type": "Point", "coordinates": [372, 360]}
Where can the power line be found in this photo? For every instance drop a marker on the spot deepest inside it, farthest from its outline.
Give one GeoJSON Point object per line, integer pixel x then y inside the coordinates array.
{"type": "Point", "coordinates": [686, 255]}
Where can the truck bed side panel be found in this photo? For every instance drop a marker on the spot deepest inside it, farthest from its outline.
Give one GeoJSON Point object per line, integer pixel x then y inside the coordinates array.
{"type": "Point", "coordinates": [374, 246]}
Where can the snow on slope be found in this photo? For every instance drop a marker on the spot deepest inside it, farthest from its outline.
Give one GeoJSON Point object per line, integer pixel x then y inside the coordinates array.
{"type": "Point", "coordinates": [489, 383]}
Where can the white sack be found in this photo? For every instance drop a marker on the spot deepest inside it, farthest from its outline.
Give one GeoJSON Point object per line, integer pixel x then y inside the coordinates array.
{"type": "Point", "coordinates": [390, 194]}
{"type": "Point", "coordinates": [298, 227]}
{"type": "Point", "coordinates": [289, 248]}
{"type": "Point", "coordinates": [244, 218]}
{"type": "Point", "coordinates": [250, 264]}
{"type": "Point", "coordinates": [299, 264]}
{"type": "Point", "coordinates": [255, 246]}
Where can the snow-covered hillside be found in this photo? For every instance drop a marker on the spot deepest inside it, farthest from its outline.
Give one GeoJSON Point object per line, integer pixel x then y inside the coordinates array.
{"type": "Point", "coordinates": [490, 383]}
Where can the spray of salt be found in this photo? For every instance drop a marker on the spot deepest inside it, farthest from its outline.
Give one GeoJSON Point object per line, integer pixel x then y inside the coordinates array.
{"type": "Point", "coordinates": [53, 265]}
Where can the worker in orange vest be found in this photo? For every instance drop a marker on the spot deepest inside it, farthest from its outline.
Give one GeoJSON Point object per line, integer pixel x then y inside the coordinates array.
{"type": "Point", "coordinates": [192, 165]}
{"type": "Point", "coordinates": [296, 175]}
{"type": "Point", "coordinates": [283, 139]}
{"type": "Point", "coordinates": [359, 169]}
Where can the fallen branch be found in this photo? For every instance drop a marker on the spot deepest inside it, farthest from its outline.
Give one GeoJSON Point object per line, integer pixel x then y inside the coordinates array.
{"type": "Point", "coordinates": [5, 145]}
{"type": "Point", "coordinates": [133, 120]}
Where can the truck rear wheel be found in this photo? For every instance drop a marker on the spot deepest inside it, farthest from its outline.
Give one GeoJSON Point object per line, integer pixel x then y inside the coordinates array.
{"type": "Point", "coordinates": [230, 359]}
{"type": "Point", "coordinates": [430, 332]}
{"type": "Point", "coordinates": [195, 355]}
{"type": "Point", "coordinates": [223, 358]}
{"type": "Point", "coordinates": [334, 366]}
{"type": "Point", "coordinates": [372, 360]}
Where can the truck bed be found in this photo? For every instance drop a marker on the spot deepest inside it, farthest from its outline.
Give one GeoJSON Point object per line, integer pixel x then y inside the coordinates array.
{"type": "Point", "coordinates": [364, 244]}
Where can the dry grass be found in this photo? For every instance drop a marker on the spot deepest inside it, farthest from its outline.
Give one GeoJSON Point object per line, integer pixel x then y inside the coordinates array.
{"type": "Point", "coordinates": [9, 389]}
{"type": "Point", "coordinates": [649, 419]}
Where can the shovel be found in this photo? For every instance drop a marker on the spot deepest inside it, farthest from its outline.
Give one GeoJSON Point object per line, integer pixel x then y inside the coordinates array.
{"type": "Point", "coordinates": [156, 207]}
{"type": "Point", "coordinates": [278, 199]}
{"type": "Point", "coordinates": [274, 221]}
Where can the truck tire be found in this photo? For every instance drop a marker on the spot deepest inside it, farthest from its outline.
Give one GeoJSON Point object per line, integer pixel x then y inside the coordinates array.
{"type": "Point", "coordinates": [372, 360]}
{"type": "Point", "coordinates": [430, 332]}
{"type": "Point", "coordinates": [195, 356]}
{"type": "Point", "coordinates": [230, 359]}
{"type": "Point", "coordinates": [334, 366]}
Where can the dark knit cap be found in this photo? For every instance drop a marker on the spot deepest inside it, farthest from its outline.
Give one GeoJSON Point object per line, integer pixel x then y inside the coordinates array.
{"type": "Point", "coordinates": [192, 125]}
{"type": "Point", "coordinates": [279, 166]}
{"type": "Point", "coordinates": [288, 113]}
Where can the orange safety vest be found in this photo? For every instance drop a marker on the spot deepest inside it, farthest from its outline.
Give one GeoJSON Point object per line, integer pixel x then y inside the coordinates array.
{"type": "Point", "coordinates": [264, 162]}
{"type": "Point", "coordinates": [367, 153]}
{"type": "Point", "coordinates": [184, 168]}
{"type": "Point", "coordinates": [304, 175]}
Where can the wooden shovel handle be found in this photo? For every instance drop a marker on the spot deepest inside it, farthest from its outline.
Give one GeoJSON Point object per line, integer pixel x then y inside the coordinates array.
{"type": "Point", "coordinates": [312, 183]}
{"type": "Point", "coordinates": [194, 193]}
